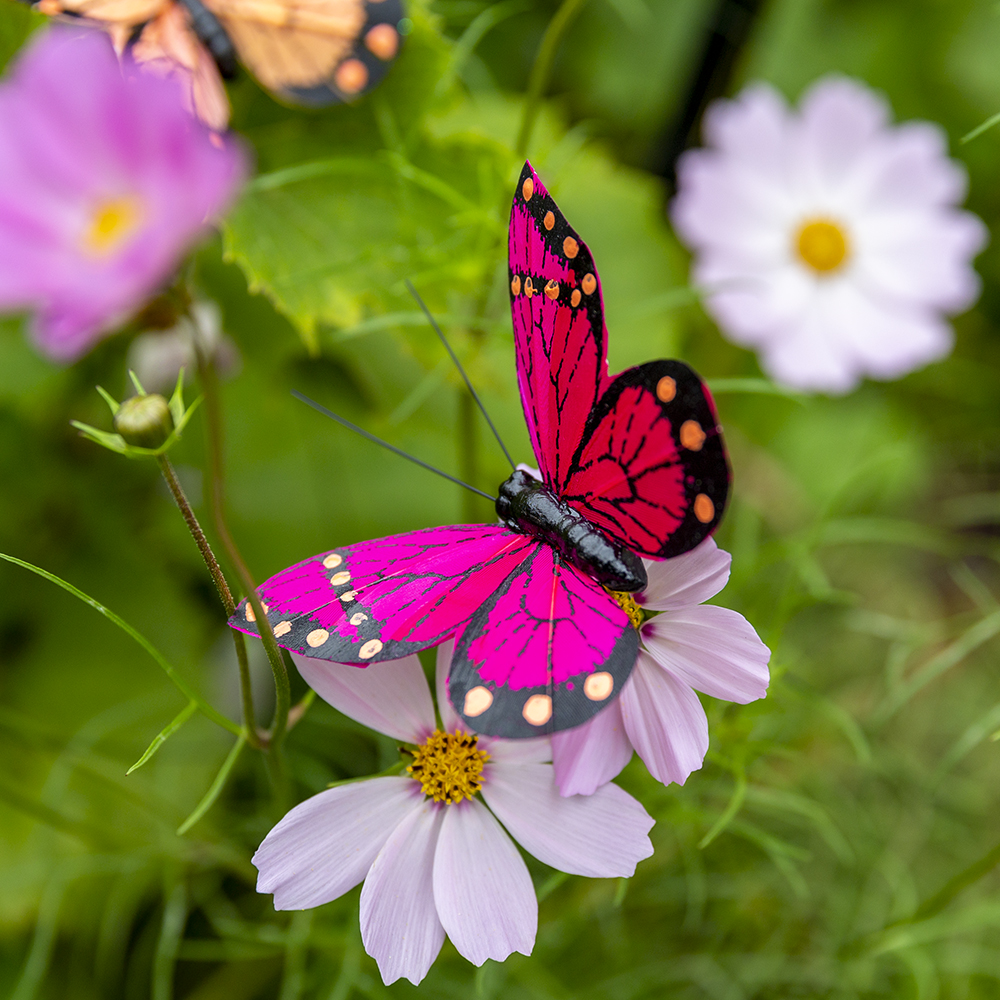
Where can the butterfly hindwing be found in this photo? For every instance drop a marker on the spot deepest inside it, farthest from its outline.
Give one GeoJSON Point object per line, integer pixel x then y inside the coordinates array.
{"type": "Point", "coordinates": [314, 52]}
{"type": "Point", "coordinates": [559, 334]}
{"type": "Point", "coordinates": [546, 651]}
{"type": "Point", "coordinates": [383, 599]}
{"type": "Point", "coordinates": [651, 471]}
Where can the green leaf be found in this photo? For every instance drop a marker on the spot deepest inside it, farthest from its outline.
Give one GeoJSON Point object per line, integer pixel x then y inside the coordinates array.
{"type": "Point", "coordinates": [165, 734]}
{"type": "Point", "coordinates": [214, 790]}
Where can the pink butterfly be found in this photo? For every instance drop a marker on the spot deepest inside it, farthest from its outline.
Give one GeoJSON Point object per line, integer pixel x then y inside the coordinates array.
{"type": "Point", "coordinates": [538, 604]}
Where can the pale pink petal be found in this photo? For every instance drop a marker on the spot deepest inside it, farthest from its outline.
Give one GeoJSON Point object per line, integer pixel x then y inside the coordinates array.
{"type": "Point", "coordinates": [806, 357]}
{"type": "Point", "coordinates": [449, 717]}
{"type": "Point", "coordinates": [391, 697]}
{"type": "Point", "coordinates": [691, 578]}
{"type": "Point", "coordinates": [603, 835]}
{"type": "Point", "coordinates": [885, 339]}
{"type": "Point", "coordinates": [753, 128]}
{"type": "Point", "coordinates": [712, 649]}
{"type": "Point", "coordinates": [482, 888]}
{"type": "Point", "coordinates": [326, 845]}
{"type": "Point", "coordinates": [399, 922]}
{"type": "Point", "coordinates": [838, 118]}
{"type": "Point", "coordinates": [914, 257]}
{"type": "Point", "coordinates": [590, 755]}
{"type": "Point", "coordinates": [537, 750]}
{"type": "Point", "coordinates": [664, 721]}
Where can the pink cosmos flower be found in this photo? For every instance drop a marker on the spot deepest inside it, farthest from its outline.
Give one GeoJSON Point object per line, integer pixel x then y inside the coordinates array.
{"type": "Point", "coordinates": [827, 238]}
{"type": "Point", "coordinates": [105, 181]}
{"type": "Point", "coordinates": [688, 646]}
{"type": "Point", "coordinates": [434, 859]}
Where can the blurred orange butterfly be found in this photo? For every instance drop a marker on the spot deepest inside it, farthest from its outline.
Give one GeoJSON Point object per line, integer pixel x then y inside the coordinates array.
{"type": "Point", "coordinates": [311, 52]}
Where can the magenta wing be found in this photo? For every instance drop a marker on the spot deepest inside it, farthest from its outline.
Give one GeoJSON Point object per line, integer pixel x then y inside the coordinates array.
{"type": "Point", "coordinates": [386, 598]}
{"type": "Point", "coordinates": [640, 455]}
{"type": "Point", "coordinates": [559, 336]}
{"type": "Point", "coordinates": [651, 470]}
{"type": "Point", "coordinates": [546, 651]}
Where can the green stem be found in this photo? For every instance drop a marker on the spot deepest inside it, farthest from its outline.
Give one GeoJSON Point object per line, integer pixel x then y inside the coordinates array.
{"type": "Point", "coordinates": [282, 700]}
{"type": "Point", "coordinates": [542, 69]}
{"type": "Point", "coordinates": [225, 595]}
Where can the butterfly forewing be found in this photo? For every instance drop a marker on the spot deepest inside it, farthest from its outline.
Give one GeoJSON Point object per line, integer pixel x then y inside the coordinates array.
{"type": "Point", "coordinates": [389, 597]}
{"type": "Point", "coordinates": [640, 455]}
{"type": "Point", "coordinates": [559, 334]}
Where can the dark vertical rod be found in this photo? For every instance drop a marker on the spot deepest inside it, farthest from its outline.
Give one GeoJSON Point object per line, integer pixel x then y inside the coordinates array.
{"type": "Point", "coordinates": [728, 32]}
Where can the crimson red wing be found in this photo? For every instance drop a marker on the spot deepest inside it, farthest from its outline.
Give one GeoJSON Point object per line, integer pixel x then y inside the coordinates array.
{"type": "Point", "coordinates": [651, 470]}
{"type": "Point", "coordinates": [559, 334]}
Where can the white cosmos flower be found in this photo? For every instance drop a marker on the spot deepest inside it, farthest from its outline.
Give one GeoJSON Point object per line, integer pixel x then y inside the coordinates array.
{"type": "Point", "coordinates": [827, 237]}
{"type": "Point", "coordinates": [432, 853]}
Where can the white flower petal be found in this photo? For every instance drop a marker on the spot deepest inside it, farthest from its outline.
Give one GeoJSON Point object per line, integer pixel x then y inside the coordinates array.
{"type": "Point", "coordinates": [892, 189]}
{"type": "Point", "coordinates": [603, 835]}
{"type": "Point", "coordinates": [326, 845]}
{"type": "Point", "coordinates": [399, 922]}
{"type": "Point", "coordinates": [691, 578]}
{"type": "Point", "coordinates": [590, 755]}
{"type": "Point", "coordinates": [391, 697]}
{"type": "Point", "coordinates": [536, 750]}
{"type": "Point", "coordinates": [712, 649]}
{"type": "Point", "coordinates": [839, 117]}
{"type": "Point", "coordinates": [665, 722]}
{"type": "Point", "coordinates": [482, 888]}
{"type": "Point", "coordinates": [449, 717]}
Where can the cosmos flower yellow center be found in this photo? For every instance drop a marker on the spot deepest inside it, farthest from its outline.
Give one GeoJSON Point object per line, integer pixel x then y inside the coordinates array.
{"type": "Point", "coordinates": [628, 604]}
{"type": "Point", "coordinates": [448, 766]}
{"type": "Point", "coordinates": [822, 244]}
{"type": "Point", "coordinates": [111, 223]}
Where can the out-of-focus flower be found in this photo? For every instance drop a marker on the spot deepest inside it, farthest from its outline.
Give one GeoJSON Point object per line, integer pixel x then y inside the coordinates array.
{"type": "Point", "coordinates": [688, 646]}
{"type": "Point", "coordinates": [827, 238]}
{"type": "Point", "coordinates": [105, 182]}
{"type": "Point", "coordinates": [434, 859]}
{"type": "Point", "coordinates": [157, 356]}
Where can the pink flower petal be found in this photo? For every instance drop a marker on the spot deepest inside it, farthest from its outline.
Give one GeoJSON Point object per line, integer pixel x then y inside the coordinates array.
{"type": "Point", "coordinates": [537, 750]}
{"type": "Point", "coordinates": [665, 722]}
{"type": "Point", "coordinates": [87, 133]}
{"type": "Point", "coordinates": [399, 922]}
{"type": "Point", "coordinates": [712, 649]}
{"type": "Point", "coordinates": [449, 717]}
{"type": "Point", "coordinates": [603, 835]}
{"type": "Point", "coordinates": [688, 579]}
{"type": "Point", "coordinates": [590, 755]}
{"type": "Point", "coordinates": [326, 845]}
{"type": "Point", "coordinates": [482, 888]}
{"type": "Point", "coordinates": [391, 697]}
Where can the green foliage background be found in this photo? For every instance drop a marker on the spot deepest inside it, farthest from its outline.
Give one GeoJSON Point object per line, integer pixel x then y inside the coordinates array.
{"type": "Point", "coordinates": [841, 838]}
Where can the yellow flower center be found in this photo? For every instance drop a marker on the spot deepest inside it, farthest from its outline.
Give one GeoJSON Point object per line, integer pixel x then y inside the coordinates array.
{"type": "Point", "coordinates": [111, 223]}
{"type": "Point", "coordinates": [448, 766]}
{"type": "Point", "coordinates": [822, 244]}
{"type": "Point", "coordinates": [628, 604]}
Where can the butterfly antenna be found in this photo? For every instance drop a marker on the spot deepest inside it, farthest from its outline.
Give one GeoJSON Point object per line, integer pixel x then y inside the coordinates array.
{"type": "Point", "coordinates": [458, 365]}
{"type": "Point", "coordinates": [385, 444]}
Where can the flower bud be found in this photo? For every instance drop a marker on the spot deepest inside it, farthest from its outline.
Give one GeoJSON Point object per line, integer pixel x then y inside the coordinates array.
{"type": "Point", "coordinates": [144, 421]}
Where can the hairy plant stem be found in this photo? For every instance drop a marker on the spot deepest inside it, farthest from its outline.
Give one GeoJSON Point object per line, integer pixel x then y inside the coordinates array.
{"type": "Point", "coordinates": [210, 388]}
{"type": "Point", "coordinates": [225, 595]}
{"type": "Point", "coordinates": [542, 69]}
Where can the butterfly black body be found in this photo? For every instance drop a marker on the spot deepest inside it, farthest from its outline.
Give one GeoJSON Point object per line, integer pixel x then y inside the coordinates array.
{"type": "Point", "coordinates": [529, 507]}
{"type": "Point", "coordinates": [213, 36]}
